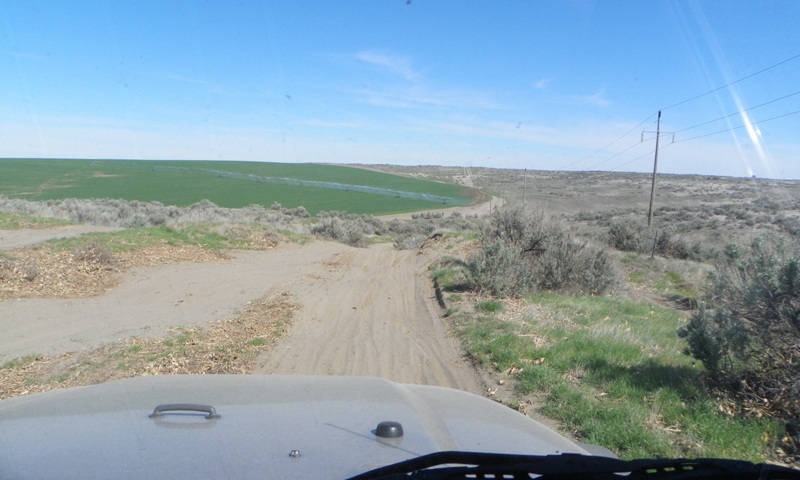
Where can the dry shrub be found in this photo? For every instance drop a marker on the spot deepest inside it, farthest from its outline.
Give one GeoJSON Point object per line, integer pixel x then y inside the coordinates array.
{"type": "Point", "coordinates": [629, 235]}
{"type": "Point", "coordinates": [350, 231]}
{"type": "Point", "coordinates": [30, 272]}
{"type": "Point", "coordinates": [129, 214]}
{"type": "Point", "coordinates": [748, 331]}
{"type": "Point", "coordinates": [95, 253]}
{"type": "Point", "coordinates": [338, 230]}
{"type": "Point", "coordinates": [522, 252]}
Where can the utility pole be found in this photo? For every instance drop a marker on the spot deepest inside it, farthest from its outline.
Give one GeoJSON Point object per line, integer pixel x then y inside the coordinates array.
{"type": "Point", "coordinates": [524, 186]}
{"type": "Point", "coordinates": [655, 169]}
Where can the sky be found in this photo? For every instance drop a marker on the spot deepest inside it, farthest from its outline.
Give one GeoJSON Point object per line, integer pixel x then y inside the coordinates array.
{"type": "Point", "coordinates": [534, 84]}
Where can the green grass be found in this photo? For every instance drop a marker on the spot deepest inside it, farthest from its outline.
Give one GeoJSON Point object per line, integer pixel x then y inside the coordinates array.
{"type": "Point", "coordinates": [131, 239]}
{"type": "Point", "coordinates": [448, 273]}
{"type": "Point", "coordinates": [12, 221]}
{"type": "Point", "coordinates": [678, 280]}
{"type": "Point", "coordinates": [447, 278]}
{"type": "Point", "coordinates": [317, 187]}
{"type": "Point", "coordinates": [18, 362]}
{"type": "Point", "coordinates": [612, 371]}
{"type": "Point", "coordinates": [489, 306]}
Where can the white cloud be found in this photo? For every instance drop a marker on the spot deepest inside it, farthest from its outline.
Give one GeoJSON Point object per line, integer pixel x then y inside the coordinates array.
{"type": "Point", "coordinates": [394, 64]}
{"type": "Point", "coordinates": [596, 99]}
{"type": "Point", "coordinates": [423, 97]}
{"type": "Point", "coordinates": [542, 83]}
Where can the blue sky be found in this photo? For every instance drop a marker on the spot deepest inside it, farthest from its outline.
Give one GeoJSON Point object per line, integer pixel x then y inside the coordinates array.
{"type": "Point", "coordinates": [550, 85]}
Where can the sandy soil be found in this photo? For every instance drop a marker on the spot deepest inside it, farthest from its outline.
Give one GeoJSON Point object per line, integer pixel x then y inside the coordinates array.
{"type": "Point", "coordinates": [363, 312]}
{"type": "Point", "coordinates": [373, 313]}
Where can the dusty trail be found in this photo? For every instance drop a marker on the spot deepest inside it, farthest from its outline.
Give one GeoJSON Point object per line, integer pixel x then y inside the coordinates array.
{"type": "Point", "coordinates": [365, 312]}
{"type": "Point", "coordinates": [374, 314]}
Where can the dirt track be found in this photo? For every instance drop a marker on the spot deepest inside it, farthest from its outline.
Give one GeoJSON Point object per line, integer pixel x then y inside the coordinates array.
{"type": "Point", "coordinates": [363, 312]}
{"type": "Point", "coordinates": [374, 314]}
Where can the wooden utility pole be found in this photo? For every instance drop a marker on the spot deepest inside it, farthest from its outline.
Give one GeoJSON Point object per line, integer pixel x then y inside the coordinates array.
{"type": "Point", "coordinates": [655, 169]}
{"type": "Point", "coordinates": [524, 186]}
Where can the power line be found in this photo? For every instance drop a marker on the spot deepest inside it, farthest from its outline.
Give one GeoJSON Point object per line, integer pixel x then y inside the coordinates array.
{"type": "Point", "coordinates": [737, 128]}
{"type": "Point", "coordinates": [701, 136]}
{"type": "Point", "coordinates": [695, 126]}
{"type": "Point", "coordinates": [612, 143]}
{"type": "Point", "coordinates": [734, 82]}
{"type": "Point", "coordinates": [613, 156]}
{"type": "Point", "coordinates": [737, 113]}
{"type": "Point", "coordinates": [648, 154]}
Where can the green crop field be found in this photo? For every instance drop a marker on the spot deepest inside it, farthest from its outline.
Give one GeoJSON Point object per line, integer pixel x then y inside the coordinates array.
{"type": "Point", "coordinates": [228, 184]}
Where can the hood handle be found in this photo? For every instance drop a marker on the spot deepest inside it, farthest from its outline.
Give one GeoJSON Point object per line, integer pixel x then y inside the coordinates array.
{"type": "Point", "coordinates": [190, 407]}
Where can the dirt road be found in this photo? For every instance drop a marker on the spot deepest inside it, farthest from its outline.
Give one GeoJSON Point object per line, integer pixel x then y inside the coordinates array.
{"type": "Point", "coordinates": [373, 314]}
{"type": "Point", "coordinates": [363, 312]}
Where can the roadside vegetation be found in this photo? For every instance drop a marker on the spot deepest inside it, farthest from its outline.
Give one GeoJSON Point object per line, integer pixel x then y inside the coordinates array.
{"type": "Point", "coordinates": [612, 372]}
{"type": "Point", "coordinates": [747, 330]}
{"type": "Point", "coordinates": [521, 251]}
{"type": "Point", "coordinates": [10, 221]}
{"type": "Point", "coordinates": [671, 341]}
{"type": "Point", "coordinates": [608, 357]}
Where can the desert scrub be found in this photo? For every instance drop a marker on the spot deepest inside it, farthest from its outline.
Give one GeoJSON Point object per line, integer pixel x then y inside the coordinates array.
{"type": "Point", "coordinates": [635, 236]}
{"type": "Point", "coordinates": [747, 331]}
{"type": "Point", "coordinates": [133, 214]}
{"type": "Point", "coordinates": [680, 281]}
{"type": "Point", "coordinates": [409, 241]}
{"type": "Point", "coordinates": [522, 252]}
{"type": "Point", "coordinates": [95, 253]}
{"type": "Point", "coordinates": [343, 231]}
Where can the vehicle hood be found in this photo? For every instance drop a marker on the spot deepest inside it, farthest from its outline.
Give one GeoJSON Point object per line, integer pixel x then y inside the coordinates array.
{"type": "Point", "coordinates": [105, 431]}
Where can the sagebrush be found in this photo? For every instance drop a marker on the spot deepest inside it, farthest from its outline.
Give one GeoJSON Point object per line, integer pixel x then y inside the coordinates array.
{"type": "Point", "coordinates": [747, 333]}
{"type": "Point", "coordinates": [522, 251]}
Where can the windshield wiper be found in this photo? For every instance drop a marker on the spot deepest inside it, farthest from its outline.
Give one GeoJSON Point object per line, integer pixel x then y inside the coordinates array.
{"type": "Point", "coordinates": [454, 465]}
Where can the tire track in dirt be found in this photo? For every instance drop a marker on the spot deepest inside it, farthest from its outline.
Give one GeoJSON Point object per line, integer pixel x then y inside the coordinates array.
{"type": "Point", "coordinates": [374, 314]}
{"type": "Point", "coordinates": [363, 312]}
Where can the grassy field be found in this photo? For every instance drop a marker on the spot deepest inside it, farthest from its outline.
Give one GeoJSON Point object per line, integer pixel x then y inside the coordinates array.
{"type": "Point", "coordinates": [611, 371]}
{"type": "Point", "coordinates": [229, 184]}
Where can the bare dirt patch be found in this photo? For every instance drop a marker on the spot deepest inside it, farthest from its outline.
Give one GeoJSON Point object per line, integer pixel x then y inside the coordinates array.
{"type": "Point", "coordinates": [226, 347]}
{"type": "Point", "coordinates": [373, 313]}
{"type": "Point", "coordinates": [44, 272]}
{"type": "Point", "coordinates": [149, 300]}
{"type": "Point", "coordinates": [364, 312]}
